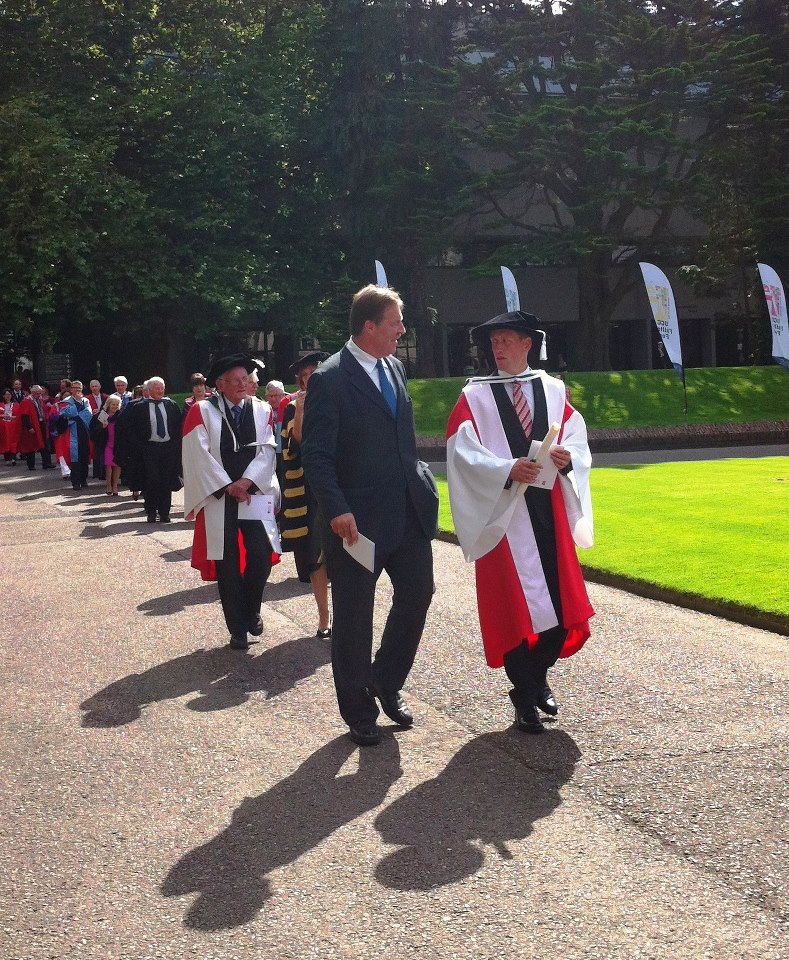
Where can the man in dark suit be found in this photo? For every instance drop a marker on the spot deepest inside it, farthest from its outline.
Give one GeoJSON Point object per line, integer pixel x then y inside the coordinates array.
{"type": "Point", "coordinates": [155, 435]}
{"type": "Point", "coordinates": [359, 455]}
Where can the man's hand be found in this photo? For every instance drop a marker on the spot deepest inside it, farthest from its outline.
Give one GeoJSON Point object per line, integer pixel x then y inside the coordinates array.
{"type": "Point", "coordinates": [561, 457]}
{"type": "Point", "coordinates": [240, 490]}
{"type": "Point", "coordinates": [345, 526]}
{"type": "Point", "coordinates": [525, 471]}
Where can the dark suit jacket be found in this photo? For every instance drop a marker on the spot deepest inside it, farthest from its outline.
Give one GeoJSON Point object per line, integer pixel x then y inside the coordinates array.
{"type": "Point", "coordinates": [359, 458]}
{"type": "Point", "coordinates": [136, 432]}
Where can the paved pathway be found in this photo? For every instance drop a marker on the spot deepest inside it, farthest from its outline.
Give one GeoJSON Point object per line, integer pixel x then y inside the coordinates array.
{"type": "Point", "coordinates": [161, 796]}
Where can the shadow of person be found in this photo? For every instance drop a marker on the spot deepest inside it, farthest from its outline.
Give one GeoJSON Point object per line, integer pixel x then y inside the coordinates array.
{"type": "Point", "coordinates": [108, 509]}
{"type": "Point", "coordinates": [47, 493]}
{"type": "Point", "coordinates": [176, 556]}
{"type": "Point", "coordinates": [221, 678]}
{"type": "Point", "coordinates": [230, 872]}
{"type": "Point", "coordinates": [286, 589]}
{"type": "Point", "coordinates": [121, 527]}
{"type": "Point", "coordinates": [180, 600]}
{"type": "Point", "coordinates": [482, 798]}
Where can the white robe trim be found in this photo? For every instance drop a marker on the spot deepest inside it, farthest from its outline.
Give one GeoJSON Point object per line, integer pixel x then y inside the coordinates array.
{"type": "Point", "coordinates": [204, 473]}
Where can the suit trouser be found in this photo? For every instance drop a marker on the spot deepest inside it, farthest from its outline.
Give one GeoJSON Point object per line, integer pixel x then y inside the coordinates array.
{"type": "Point", "coordinates": [160, 466]}
{"type": "Point", "coordinates": [241, 594]}
{"type": "Point", "coordinates": [46, 459]}
{"type": "Point", "coordinates": [410, 568]}
{"type": "Point", "coordinates": [527, 668]}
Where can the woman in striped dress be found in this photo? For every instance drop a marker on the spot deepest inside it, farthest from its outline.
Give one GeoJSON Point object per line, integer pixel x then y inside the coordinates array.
{"type": "Point", "coordinates": [300, 525]}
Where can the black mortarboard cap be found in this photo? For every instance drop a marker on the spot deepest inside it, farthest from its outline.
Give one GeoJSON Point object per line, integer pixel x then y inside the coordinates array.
{"type": "Point", "coordinates": [229, 363]}
{"type": "Point", "coordinates": [517, 320]}
{"type": "Point", "coordinates": [308, 360]}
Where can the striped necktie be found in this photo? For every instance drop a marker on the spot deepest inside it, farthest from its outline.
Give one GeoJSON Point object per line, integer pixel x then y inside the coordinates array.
{"type": "Point", "coordinates": [521, 408]}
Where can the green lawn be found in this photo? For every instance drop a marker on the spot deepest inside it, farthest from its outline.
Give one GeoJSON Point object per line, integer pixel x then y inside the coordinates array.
{"type": "Point", "coordinates": [640, 398]}
{"type": "Point", "coordinates": [635, 398]}
{"type": "Point", "coordinates": [714, 528]}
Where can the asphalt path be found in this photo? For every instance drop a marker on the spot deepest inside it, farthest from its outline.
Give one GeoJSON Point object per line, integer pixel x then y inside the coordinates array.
{"type": "Point", "coordinates": [163, 796]}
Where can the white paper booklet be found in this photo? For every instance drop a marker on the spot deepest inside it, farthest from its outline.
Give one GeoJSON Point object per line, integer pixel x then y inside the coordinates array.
{"type": "Point", "coordinates": [260, 507]}
{"type": "Point", "coordinates": [547, 477]}
{"type": "Point", "coordinates": [363, 552]}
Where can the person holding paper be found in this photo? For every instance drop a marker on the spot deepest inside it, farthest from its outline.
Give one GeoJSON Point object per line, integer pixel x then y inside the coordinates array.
{"type": "Point", "coordinates": [359, 456]}
{"type": "Point", "coordinates": [231, 491]}
{"type": "Point", "coordinates": [520, 503]}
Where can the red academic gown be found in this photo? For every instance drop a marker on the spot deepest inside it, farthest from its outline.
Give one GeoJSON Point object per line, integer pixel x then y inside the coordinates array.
{"type": "Point", "coordinates": [30, 442]}
{"type": "Point", "coordinates": [9, 430]}
{"type": "Point", "coordinates": [505, 620]}
{"type": "Point", "coordinates": [200, 561]}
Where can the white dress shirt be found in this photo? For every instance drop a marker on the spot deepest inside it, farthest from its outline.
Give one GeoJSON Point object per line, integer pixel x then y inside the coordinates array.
{"type": "Point", "coordinates": [155, 438]}
{"type": "Point", "coordinates": [368, 363]}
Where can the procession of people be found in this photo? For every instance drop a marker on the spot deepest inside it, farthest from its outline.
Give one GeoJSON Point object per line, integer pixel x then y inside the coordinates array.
{"type": "Point", "coordinates": [332, 475]}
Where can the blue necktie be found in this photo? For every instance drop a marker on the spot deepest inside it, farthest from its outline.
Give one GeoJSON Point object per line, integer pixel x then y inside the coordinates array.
{"type": "Point", "coordinates": [236, 411]}
{"type": "Point", "coordinates": [386, 387]}
{"type": "Point", "coordinates": [160, 428]}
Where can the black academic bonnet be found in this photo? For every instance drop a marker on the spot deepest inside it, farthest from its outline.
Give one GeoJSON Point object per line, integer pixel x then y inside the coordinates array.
{"type": "Point", "coordinates": [517, 320]}
{"type": "Point", "coordinates": [229, 363]}
{"type": "Point", "coordinates": [308, 360]}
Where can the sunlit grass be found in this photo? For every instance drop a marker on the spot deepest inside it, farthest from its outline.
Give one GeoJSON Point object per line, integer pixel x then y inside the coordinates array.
{"type": "Point", "coordinates": [716, 529]}
{"type": "Point", "coordinates": [640, 398]}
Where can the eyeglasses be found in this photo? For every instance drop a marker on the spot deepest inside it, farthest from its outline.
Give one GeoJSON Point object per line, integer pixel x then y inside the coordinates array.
{"type": "Point", "coordinates": [240, 381]}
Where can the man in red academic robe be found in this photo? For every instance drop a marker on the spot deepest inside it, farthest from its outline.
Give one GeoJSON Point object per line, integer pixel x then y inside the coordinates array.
{"type": "Point", "coordinates": [33, 429]}
{"type": "Point", "coordinates": [520, 507]}
{"type": "Point", "coordinates": [231, 491]}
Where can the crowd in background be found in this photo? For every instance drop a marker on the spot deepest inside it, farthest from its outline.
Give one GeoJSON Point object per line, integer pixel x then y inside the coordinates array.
{"type": "Point", "coordinates": [91, 431]}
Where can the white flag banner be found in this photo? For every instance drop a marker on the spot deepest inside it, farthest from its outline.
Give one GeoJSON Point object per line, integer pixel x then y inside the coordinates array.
{"type": "Point", "coordinates": [664, 310]}
{"type": "Point", "coordinates": [776, 307]}
{"type": "Point", "coordinates": [510, 290]}
{"type": "Point", "coordinates": [380, 274]}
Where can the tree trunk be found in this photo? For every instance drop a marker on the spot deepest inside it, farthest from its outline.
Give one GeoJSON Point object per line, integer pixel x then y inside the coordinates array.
{"type": "Point", "coordinates": [419, 316]}
{"type": "Point", "coordinates": [591, 351]}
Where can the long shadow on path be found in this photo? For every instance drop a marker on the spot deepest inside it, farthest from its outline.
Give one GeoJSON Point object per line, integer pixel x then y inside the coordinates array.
{"type": "Point", "coordinates": [481, 798]}
{"type": "Point", "coordinates": [221, 678]}
{"type": "Point", "coordinates": [230, 872]}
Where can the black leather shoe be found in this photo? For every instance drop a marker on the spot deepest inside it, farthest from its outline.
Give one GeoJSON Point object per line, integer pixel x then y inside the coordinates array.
{"type": "Point", "coordinates": [394, 706]}
{"type": "Point", "coordinates": [528, 719]}
{"type": "Point", "coordinates": [239, 642]}
{"type": "Point", "coordinates": [324, 634]}
{"type": "Point", "coordinates": [165, 518]}
{"type": "Point", "coordinates": [548, 702]}
{"type": "Point", "coordinates": [366, 733]}
{"type": "Point", "coordinates": [151, 518]}
{"type": "Point", "coordinates": [257, 627]}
